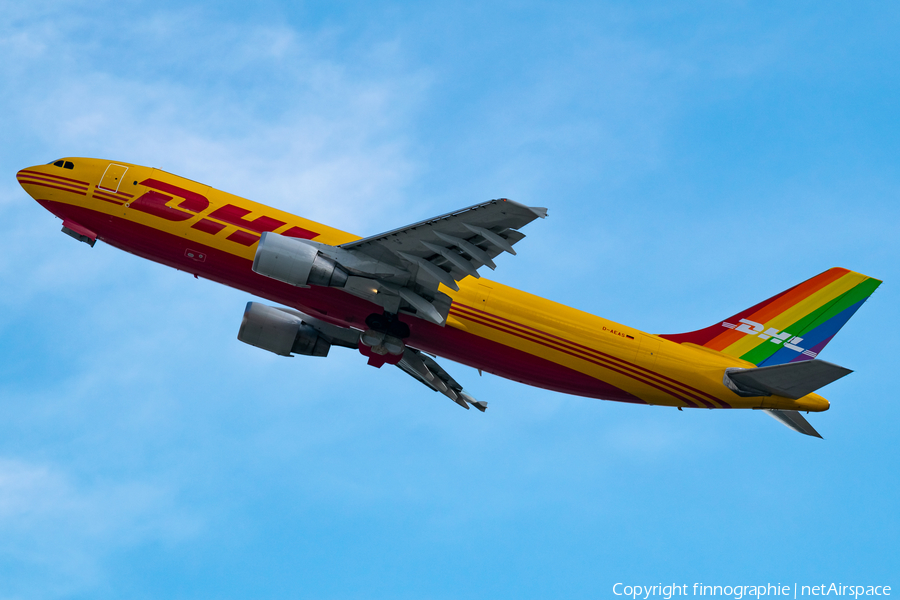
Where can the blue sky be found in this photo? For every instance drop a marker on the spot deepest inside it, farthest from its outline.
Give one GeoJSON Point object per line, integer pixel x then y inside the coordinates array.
{"type": "Point", "coordinates": [695, 158]}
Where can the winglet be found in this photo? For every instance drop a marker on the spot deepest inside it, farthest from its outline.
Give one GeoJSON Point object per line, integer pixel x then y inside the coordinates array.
{"type": "Point", "coordinates": [794, 420]}
{"type": "Point", "coordinates": [539, 211]}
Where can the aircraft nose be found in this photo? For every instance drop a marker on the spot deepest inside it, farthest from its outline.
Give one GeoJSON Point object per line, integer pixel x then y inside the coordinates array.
{"type": "Point", "coordinates": [21, 174]}
{"type": "Point", "coordinates": [49, 181]}
{"type": "Point", "coordinates": [29, 176]}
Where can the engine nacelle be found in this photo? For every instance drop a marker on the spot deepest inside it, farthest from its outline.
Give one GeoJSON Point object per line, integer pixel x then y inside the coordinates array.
{"type": "Point", "coordinates": [292, 261]}
{"type": "Point", "coordinates": [280, 332]}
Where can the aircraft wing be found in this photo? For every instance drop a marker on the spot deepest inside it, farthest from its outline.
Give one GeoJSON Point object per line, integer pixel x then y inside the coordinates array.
{"type": "Point", "coordinates": [426, 370]}
{"type": "Point", "coordinates": [409, 263]}
{"type": "Point", "coordinates": [401, 270]}
{"type": "Point", "coordinates": [286, 331]}
{"type": "Point", "coordinates": [489, 227]}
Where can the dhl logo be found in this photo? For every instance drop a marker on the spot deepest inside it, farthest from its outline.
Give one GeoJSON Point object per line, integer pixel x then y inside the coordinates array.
{"type": "Point", "coordinates": [157, 200]}
{"type": "Point", "coordinates": [773, 335]}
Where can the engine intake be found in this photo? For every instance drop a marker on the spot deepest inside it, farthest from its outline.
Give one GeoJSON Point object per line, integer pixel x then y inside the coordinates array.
{"type": "Point", "coordinates": [292, 261]}
{"type": "Point", "coordinates": [280, 332]}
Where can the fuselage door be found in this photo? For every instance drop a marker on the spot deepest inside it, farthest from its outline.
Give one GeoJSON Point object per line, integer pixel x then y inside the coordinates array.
{"type": "Point", "coordinates": [112, 177]}
{"type": "Point", "coordinates": [649, 349]}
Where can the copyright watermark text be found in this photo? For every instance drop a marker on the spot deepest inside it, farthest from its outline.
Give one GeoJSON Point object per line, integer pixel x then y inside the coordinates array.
{"type": "Point", "coordinates": [669, 591]}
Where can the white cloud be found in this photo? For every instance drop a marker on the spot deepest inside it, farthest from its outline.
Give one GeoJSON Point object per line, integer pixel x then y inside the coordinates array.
{"type": "Point", "coordinates": [64, 529]}
{"type": "Point", "coordinates": [257, 110]}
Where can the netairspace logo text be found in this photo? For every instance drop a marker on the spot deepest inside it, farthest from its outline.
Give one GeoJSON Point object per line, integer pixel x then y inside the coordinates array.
{"type": "Point", "coordinates": [667, 592]}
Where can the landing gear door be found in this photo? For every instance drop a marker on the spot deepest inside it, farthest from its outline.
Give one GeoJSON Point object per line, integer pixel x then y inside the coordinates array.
{"type": "Point", "coordinates": [112, 177]}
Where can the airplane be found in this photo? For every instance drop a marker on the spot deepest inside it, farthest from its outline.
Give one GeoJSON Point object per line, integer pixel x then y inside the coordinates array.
{"type": "Point", "coordinates": [408, 296]}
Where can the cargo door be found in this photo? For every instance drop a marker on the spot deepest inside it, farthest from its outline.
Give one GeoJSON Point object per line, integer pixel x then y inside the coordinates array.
{"type": "Point", "coordinates": [112, 177]}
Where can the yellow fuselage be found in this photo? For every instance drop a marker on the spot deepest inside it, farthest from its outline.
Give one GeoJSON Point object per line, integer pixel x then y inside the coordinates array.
{"type": "Point", "coordinates": [492, 327]}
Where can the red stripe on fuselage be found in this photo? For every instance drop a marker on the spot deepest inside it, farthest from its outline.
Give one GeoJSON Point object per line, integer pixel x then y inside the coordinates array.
{"type": "Point", "coordinates": [50, 175]}
{"type": "Point", "coordinates": [53, 180]}
{"type": "Point", "coordinates": [24, 181]}
{"type": "Point", "coordinates": [687, 388]}
{"type": "Point", "coordinates": [117, 195]}
{"type": "Point", "coordinates": [622, 369]}
{"type": "Point", "coordinates": [588, 353]}
{"type": "Point", "coordinates": [337, 307]}
{"type": "Point", "coordinates": [108, 197]}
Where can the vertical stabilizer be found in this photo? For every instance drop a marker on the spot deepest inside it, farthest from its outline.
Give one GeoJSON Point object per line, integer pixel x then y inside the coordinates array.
{"type": "Point", "coordinates": [793, 326]}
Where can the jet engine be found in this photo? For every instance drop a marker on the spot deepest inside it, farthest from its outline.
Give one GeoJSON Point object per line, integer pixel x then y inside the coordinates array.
{"type": "Point", "coordinates": [292, 261]}
{"type": "Point", "coordinates": [280, 332]}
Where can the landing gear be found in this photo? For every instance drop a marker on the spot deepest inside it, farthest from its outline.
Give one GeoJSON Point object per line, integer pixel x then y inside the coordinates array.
{"type": "Point", "coordinates": [388, 323]}
{"type": "Point", "coordinates": [383, 342]}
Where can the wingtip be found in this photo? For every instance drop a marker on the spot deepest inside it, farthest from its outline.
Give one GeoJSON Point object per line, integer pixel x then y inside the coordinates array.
{"type": "Point", "coordinates": [479, 404]}
{"type": "Point", "coordinates": [539, 211]}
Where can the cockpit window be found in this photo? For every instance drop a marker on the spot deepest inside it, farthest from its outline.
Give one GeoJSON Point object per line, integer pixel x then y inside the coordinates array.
{"type": "Point", "coordinates": [65, 164]}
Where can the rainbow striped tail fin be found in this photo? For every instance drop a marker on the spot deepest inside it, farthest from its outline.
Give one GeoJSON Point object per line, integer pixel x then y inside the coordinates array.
{"type": "Point", "coordinates": [793, 326]}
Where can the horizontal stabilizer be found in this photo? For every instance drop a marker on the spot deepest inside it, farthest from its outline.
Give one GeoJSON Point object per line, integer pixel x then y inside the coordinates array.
{"type": "Point", "coordinates": [791, 380]}
{"type": "Point", "coordinates": [794, 420]}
